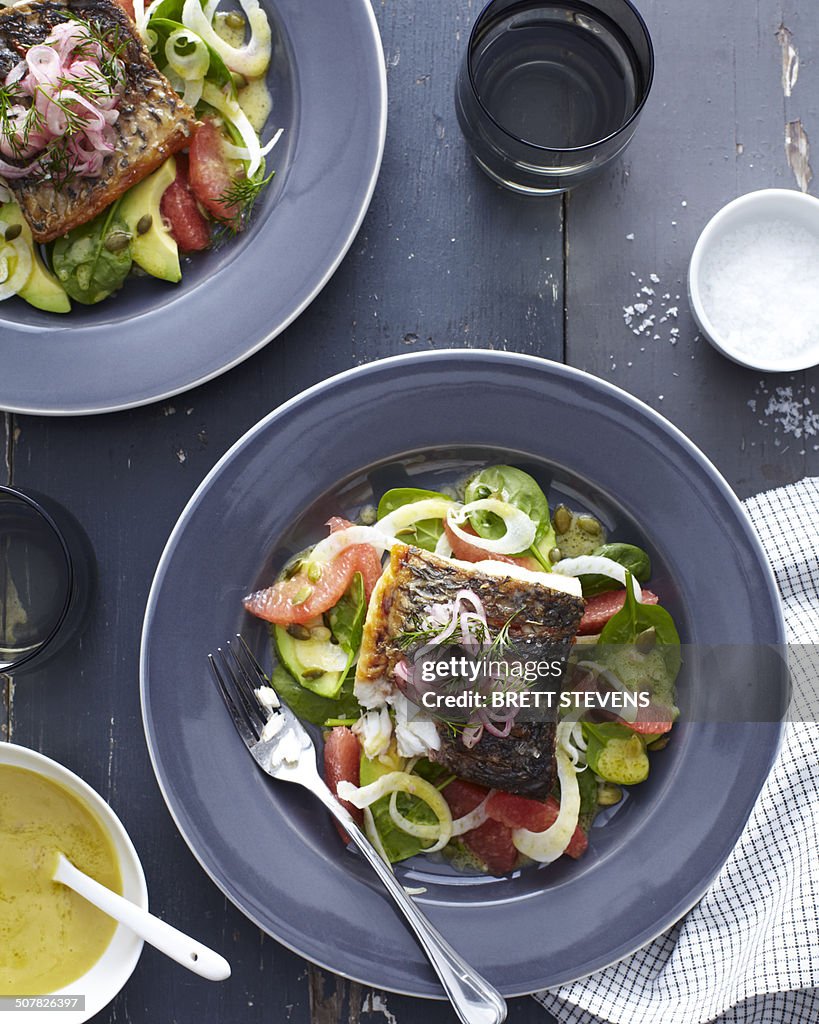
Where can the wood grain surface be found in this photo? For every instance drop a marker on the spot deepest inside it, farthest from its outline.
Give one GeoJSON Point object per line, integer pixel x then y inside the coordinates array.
{"type": "Point", "coordinates": [444, 258]}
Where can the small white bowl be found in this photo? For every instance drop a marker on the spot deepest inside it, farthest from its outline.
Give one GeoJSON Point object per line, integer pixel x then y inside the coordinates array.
{"type": "Point", "coordinates": [104, 980]}
{"type": "Point", "coordinates": [768, 203]}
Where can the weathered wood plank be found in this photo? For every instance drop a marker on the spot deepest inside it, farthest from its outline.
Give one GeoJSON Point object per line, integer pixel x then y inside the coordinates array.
{"type": "Point", "coordinates": [6, 446]}
{"type": "Point", "coordinates": [714, 128]}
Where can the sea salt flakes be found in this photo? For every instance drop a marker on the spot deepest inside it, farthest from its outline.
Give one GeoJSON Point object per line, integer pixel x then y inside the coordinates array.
{"type": "Point", "coordinates": [787, 410]}
{"type": "Point", "coordinates": [636, 314]}
{"type": "Point", "coordinates": [759, 289]}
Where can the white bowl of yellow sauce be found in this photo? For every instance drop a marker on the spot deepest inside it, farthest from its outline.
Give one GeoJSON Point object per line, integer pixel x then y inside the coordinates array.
{"type": "Point", "coordinates": [53, 944]}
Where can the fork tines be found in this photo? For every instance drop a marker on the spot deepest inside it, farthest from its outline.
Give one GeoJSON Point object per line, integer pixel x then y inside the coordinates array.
{"type": "Point", "coordinates": [238, 674]}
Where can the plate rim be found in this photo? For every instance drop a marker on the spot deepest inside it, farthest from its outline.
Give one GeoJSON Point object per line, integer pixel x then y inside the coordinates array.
{"type": "Point", "coordinates": [477, 355]}
{"type": "Point", "coordinates": [52, 410]}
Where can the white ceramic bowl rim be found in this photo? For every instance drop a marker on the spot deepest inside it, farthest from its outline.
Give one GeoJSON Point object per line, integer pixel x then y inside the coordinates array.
{"type": "Point", "coordinates": [768, 199]}
{"type": "Point", "coordinates": [109, 974]}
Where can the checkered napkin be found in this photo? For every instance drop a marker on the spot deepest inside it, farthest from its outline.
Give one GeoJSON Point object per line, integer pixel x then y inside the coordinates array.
{"type": "Point", "coordinates": [748, 953]}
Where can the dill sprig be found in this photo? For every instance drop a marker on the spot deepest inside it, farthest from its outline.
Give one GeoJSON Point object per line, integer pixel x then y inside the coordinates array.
{"type": "Point", "coordinates": [242, 194]}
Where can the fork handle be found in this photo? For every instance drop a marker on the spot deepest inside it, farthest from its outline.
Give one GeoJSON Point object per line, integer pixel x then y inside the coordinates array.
{"type": "Point", "coordinates": [474, 1000]}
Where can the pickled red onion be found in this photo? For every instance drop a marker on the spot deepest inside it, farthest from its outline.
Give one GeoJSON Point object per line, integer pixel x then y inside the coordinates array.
{"type": "Point", "coordinates": [73, 105]}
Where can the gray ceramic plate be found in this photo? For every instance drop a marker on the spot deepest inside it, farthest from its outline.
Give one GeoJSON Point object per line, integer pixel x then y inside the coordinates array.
{"type": "Point", "coordinates": [428, 418]}
{"type": "Point", "coordinates": [154, 339]}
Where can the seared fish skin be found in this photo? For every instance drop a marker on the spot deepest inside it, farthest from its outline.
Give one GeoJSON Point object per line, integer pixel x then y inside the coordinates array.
{"type": "Point", "coordinates": [522, 762]}
{"type": "Point", "coordinates": [542, 623]}
{"type": "Point", "coordinates": [153, 120]}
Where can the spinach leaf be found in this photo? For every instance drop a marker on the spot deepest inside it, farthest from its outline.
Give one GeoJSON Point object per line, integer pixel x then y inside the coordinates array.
{"type": "Point", "coordinates": [521, 490]}
{"type": "Point", "coordinates": [427, 532]}
{"type": "Point", "coordinates": [93, 260]}
{"type": "Point", "coordinates": [635, 618]}
{"type": "Point", "coordinates": [629, 556]}
{"type": "Point", "coordinates": [310, 706]}
{"type": "Point", "coordinates": [346, 618]}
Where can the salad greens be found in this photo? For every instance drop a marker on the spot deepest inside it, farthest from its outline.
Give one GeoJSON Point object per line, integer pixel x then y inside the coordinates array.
{"type": "Point", "coordinates": [346, 619]}
{"type": "Point", "coordinates": [629, 556]}
{"type": "Point", "coordinates": [424, 534]}
{"type": "Point", "coordinates": [651, 622]}
{"type": "Point", "coordinates": [93, 260]}
{"type": "Point", "coordinates": [639, 645]}
{"type": "Point", "coordinates": [398, 845]}
{"type": "Point", "coordinates": [517, 488]}
{"type": "Point", "coordinates": [310, 706]}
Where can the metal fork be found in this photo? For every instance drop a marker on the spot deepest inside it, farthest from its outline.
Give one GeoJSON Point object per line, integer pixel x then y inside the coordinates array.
{"type": "Point", "coordinates": [282, 748]}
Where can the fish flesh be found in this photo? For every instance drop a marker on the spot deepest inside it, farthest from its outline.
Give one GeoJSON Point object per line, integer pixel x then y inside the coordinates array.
{"type": "Point", "coordinates": [153, 123]}
{"type": "Point", "coordinates": [542, 617]}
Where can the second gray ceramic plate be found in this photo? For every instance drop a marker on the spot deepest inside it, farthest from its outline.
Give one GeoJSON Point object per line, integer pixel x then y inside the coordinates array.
{"type": "Point", "coordinates": [153, 339]}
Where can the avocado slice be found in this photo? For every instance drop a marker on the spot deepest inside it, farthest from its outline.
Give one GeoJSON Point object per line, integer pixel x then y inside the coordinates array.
{"type": "Point", "coordinates": [42, 289]}
{"type": "Point", "coordinates": [300, 658]}
{"type": "Point", "coordinates": [155, 249]}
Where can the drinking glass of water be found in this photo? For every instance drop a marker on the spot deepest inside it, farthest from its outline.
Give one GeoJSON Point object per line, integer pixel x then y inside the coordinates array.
{"type": "Point", "coordinates": [46, 579]}
{"type": "Point", "coordinates": [549, 93]}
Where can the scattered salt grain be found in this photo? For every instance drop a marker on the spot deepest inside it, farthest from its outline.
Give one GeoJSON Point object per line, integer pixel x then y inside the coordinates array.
{"type": "Point", "coordinates": [630, 236]}
{"type": "Point", "coordinates": [787, 410]}
{"type": "Point", "coordinates": [759, 289]}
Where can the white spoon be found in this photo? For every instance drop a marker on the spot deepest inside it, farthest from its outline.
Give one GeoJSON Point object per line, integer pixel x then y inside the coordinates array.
{"type": "Point", "coordinates": [167, 939]}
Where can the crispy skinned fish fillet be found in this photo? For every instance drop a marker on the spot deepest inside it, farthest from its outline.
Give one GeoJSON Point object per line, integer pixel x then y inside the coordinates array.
{"type": "Point", "coordinates": [153, 121]}
{"type": "Point", "coordinates": [545, 619]}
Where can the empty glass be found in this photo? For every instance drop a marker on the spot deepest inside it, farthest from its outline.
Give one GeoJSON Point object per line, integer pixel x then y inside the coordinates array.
{"type": "Point", "coordinates": [46, 577]}
{"type": "Point", "coordinates": [549, 93]}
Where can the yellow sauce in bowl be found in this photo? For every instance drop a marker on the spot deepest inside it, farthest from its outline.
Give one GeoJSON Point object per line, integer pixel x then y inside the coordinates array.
{"type": "Point", "coordinates": [49, 936]}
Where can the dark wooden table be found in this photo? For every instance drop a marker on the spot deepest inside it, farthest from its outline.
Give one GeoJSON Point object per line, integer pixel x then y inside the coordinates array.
{"type": "Point", "coordinates": [444, 258]}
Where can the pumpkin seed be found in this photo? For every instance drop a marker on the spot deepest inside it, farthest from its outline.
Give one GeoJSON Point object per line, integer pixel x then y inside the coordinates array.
{"type": "Point", "coordinates": [555, 555]}
{"type": "Point", "coordinates": [588, 524]}
{"type": "Point", "coordinates": [563, 519]}
{"type": "Point", "coordinates": [117, 241]}
{"type": "Point", "coordinates": [302, 595]}
{"type": "Point", "coordinates": [292, 569]}
{"type": "Point", "coordinates": [321, 633]}
{"type": "Point", "coordinates": [312, 673]}
{"type": "Point", "coordinates": [608, 794]}
{"type": "Point", "coordinates": [144, 223]}
{"type": "Point", "coordinates": [314, 571]}
{"type": "Point", "coordinates": [13, 231]}
{"type": "Point", "coordinates": [646, 640]}
{"type": "Point", "coordinates": [659, 743]}
{"type": "Point", "coordinates": [298, 632]}
{"type": "Point", "coordinates": [235, 20]}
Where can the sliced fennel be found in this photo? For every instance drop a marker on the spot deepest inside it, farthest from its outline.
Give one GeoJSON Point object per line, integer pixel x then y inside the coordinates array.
{"type": "Point", "coordinates": [192, 65]}
{"type": "Point", "coordinates": [403, 782]}
{"type": "Point", "coordinates": [231, 111]}
{"type": "Point", "coordinates": [547, 846]}
{"type": "Point", "coordinates": [251, 59]}
{"type": "Point", "coordinates": [520, 529]}
{"type": "Point", "coordinates": [406, 516]}
{"type": "Point", "coordinates": [596, 564]}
